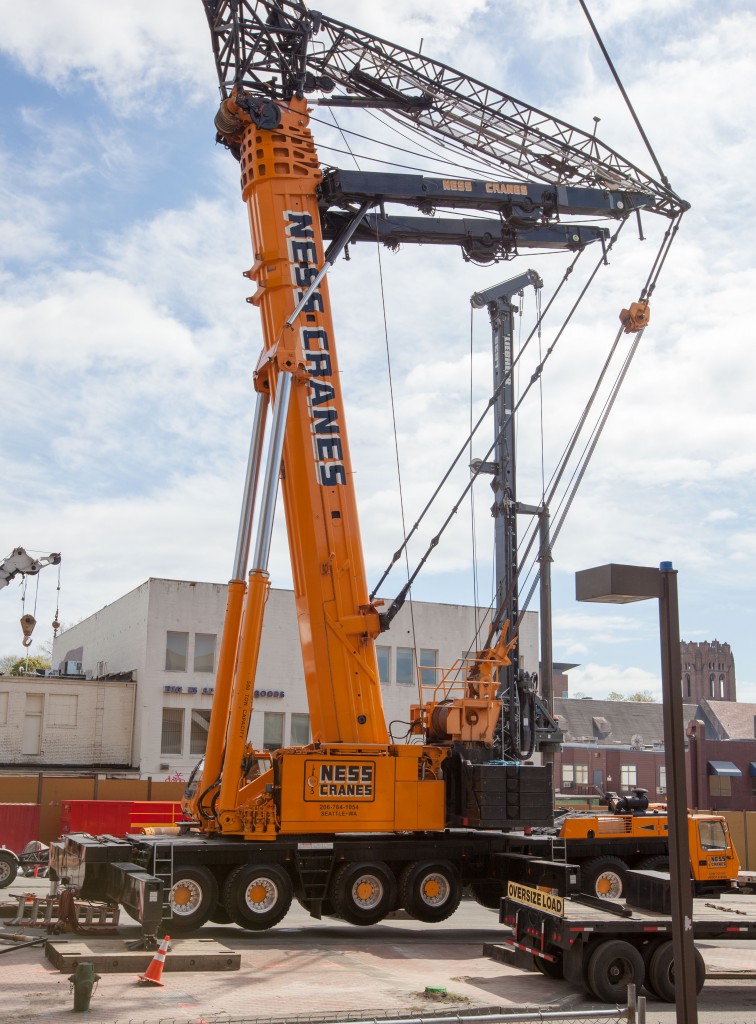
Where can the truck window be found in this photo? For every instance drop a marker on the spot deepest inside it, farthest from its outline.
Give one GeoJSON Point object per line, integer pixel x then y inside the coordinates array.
{"type": "Point", "coordinates": [712, 835]}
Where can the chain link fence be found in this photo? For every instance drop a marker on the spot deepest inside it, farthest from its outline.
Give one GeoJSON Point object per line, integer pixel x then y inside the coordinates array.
{"type": "Point", "coordinates": [632, 1013]}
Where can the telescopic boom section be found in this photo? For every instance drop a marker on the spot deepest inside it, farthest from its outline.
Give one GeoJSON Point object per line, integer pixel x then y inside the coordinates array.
{"type": "Point", "coordinates": [337, 623]}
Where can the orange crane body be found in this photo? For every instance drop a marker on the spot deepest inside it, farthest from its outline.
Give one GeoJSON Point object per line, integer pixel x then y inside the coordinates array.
{"type": "Point", "coordinates": [351, 776]}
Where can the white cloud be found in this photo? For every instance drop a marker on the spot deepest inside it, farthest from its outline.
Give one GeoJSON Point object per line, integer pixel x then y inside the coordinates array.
{"type": "Point", "coordinates": [133, 351]}
{"type": "Point", "coordinates": [598, 681]}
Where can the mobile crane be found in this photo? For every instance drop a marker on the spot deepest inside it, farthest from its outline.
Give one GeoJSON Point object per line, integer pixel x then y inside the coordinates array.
{"type": "Point", "coordinates": [354, 823]}
{"type": "Point", "coordinates": [633, 834]}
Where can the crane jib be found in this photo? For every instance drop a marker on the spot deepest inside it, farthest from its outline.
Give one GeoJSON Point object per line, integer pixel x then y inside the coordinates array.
{"type": "Point", "coordinates": [325, 426]}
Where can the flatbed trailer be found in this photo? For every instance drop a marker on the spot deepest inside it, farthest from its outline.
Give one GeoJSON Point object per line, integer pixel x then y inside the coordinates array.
{"type": "Point", "coordinates": [603, 946]}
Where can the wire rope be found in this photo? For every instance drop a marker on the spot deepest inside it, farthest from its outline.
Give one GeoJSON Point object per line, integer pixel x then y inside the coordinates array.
{"type": "Point", "coordinates": [479, 422]}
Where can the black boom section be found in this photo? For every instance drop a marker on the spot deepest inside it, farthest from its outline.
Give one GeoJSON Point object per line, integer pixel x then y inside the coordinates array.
{"type": "Point", "coordinates": [481, 240]}
{"type": "Point", "coordinates": [525, 200]}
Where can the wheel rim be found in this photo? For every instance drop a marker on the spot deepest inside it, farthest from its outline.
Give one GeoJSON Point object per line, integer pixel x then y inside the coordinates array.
{"type": "Point", "coordinates": [186, 897]}
{"type": "Point", "coordinates": [620, 972]}
{"type": "Point", "coordinates": [608, 885]}
{"type": "Point", "coordinates": [435, 889]}
{"type": "Point", "coordinates": [367, 892]}
{"type": "Point", "coordinates": [261, 894]}
{"type": "Point", "coordinates": [5, 870]}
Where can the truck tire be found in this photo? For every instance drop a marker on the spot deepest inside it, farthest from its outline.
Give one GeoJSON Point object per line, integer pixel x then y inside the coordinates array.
{"type": "Point", "coordinates": [193, 896]}
{"type": "Point", "coordinates": [257, 896]}
{"type": "Point", "coordinates": [430, 891]}
{"type": "Point", "coordinates": [488, 894]}
{"type": "Point", "coordinates": [612, 966]}
{"type": "Point", "coordinates": [661, 972]}
{"type": "Point", "coordinates": [549, 968]}
{"type": "Point", "coordinates": [8, 868]}
{"type": "Point", "coordinates": [603, 877]}
{"type": "Point", "coordinates": [363, 893]}
{"type": "Point", "coordinates": [658, 863]}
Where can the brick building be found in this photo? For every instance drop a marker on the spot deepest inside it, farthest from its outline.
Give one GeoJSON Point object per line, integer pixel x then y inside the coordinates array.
{"type": "Point", "coordinates": [619, 745]}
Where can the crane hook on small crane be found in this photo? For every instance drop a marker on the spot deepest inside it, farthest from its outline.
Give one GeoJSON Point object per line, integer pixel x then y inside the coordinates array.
{"type": "Point", "coordinates": [19, 562]}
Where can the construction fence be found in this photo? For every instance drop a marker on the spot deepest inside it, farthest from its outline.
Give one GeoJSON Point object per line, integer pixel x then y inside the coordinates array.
{"type": "Point", "coordinates": [742, 826]}
{"type": "Point", "coordinates": [50, 792]}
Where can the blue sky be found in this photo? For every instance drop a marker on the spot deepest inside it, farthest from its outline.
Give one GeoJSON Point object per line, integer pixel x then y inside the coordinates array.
{"type": "Point", "coordinates": [128, 348]}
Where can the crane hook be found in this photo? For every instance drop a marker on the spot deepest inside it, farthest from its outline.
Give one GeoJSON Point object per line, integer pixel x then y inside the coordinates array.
{"type": "Point", "coordinates": [28, 622]}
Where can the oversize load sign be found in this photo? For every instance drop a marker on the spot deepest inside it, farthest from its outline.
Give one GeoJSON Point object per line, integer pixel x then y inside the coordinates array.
{"type": "Point", "coordinates": [335, 780]}
{"type": "Point", "coordinates": [536, 898]}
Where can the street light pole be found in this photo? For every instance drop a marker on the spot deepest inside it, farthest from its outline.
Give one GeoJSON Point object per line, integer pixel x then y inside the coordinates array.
{"type": "Point", "coordinates": [622, 584]}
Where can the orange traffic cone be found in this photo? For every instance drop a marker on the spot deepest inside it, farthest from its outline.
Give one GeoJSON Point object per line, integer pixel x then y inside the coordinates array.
{"type": "Point", "coordinates": [154, 972]}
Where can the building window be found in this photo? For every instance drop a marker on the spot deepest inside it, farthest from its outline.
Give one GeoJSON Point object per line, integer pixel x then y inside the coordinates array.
{"type": "Point", "coordinates": [720, 785]}
{"type": "Point", "coordinates": [384, 663]}
{"type": "Point", "coordinates": [628, 776]}
{"type": "Point", "coordinates": [405, 666]}
{"type": "Point", "coordinates": [428, 662]}
{"type": "Point", "coordinates": [662, 785]}
{"type": "Point", "coordinates": [300, 730]}
{"type": "Point", "coordinates": [62, 709]}
{"type": "Point", "coordinates": [204, 652]}
{"type": "Point", "coordinates": [568, 774]}
{"type": "Point", "coordinates": [4, 708]}
{"type": "Point", "coordinates": [172, 735]}
{"type": "Point", "coordinates": [721, 687]}
{"type": "Point", "coordinates": [712, 686]}
{"type": "Point", "coordinates": [581, 774]}
{"type": "Point", "coordinates": [273, 730]}
{"type": "Point", "coordinates": [175, 651]}
{"type": "Point", "coordinates": [687, 686]}
{"type": "Point", "coordinates": [200, 723]}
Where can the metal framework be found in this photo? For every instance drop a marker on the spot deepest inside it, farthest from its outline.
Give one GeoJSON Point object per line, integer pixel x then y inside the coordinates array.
{"type": "Point", "coordinates": [283, 50]}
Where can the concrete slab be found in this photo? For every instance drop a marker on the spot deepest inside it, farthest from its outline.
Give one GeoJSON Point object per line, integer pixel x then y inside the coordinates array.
{"type": "Point", "coordinates": [112, 956]}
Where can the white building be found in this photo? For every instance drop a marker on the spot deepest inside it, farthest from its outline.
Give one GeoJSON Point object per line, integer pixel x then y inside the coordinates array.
{"type": "Point", "coordinates": [166, 633]}
{"type": "Point", "coordinates": [66, 723]}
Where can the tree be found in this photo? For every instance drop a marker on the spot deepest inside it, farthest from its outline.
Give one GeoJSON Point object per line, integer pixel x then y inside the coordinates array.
{"type": "Point", "coordinates": [13, 665]}
{"type": "Point", "coordinates": [642, 696]}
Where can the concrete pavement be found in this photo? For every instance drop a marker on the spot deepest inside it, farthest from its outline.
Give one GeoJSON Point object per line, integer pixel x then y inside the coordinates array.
{"type": "Point", "coordinates": [305, 967]}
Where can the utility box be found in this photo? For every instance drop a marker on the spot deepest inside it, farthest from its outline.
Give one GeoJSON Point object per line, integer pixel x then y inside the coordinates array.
{"type": "Point", "coordinates": [19, 825]}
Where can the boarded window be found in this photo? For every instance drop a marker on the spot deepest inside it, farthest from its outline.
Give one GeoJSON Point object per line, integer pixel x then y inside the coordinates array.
{"type": "Point", "coordinates": [720, 785]}
{"type": "Point", "coordinates": [62, 710]}
{"type": "Point", "coordinates": [204, 652]}
{"type": "Point", "coordinates": [31, 738]}
{"type": "Point", "coordinates": [175, 651]}
{"type": "Point", "coordinates": [172, 735]}
{"type": "Point", "coordinates": [4, 708]}
{"type": "Point", "coordinates": [200, 722]}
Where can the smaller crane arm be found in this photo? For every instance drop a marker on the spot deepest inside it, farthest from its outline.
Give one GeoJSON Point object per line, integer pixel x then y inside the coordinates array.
{"type": "Point", "coordinates": [18, 561]}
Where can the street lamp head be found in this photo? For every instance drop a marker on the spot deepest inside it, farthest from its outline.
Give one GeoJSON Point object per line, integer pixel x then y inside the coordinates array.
{"type": "Point", "coordinates": [619, 584]}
